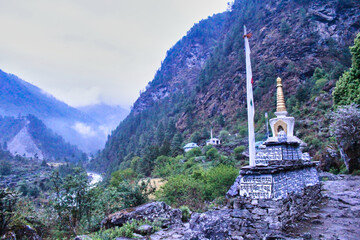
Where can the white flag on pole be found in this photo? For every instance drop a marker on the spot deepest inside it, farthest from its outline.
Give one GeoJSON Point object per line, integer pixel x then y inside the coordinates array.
{"type": "Point", "coordinates": [250, 100]}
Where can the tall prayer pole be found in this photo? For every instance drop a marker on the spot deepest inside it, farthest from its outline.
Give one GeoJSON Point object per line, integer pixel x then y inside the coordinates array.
{"type": "Point", "coordinates": [250, 100]}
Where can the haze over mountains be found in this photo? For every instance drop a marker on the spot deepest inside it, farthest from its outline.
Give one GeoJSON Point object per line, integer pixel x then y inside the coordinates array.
{"type": "Point", "coordinates": [88, 130]}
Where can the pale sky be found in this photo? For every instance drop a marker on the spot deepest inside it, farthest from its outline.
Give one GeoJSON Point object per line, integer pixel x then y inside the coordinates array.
{"type": "Point", "coordinates": [90, 51]}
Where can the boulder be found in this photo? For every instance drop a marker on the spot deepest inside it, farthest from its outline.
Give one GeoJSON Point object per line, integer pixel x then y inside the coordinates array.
{"type": "Point", "coordinates": [144, 229]}
{"type": "Point", "coordinates": [210, 225]}
{"type": "Point", "coordinates": [154, 211]}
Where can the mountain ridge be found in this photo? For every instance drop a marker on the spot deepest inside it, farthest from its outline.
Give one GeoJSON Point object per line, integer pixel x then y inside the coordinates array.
{"type": "Point", "coordinates": [29, 137]}
{"type": "Point", "coordinates": [303, 42]}
{"type": "Point", "coordinates": [20, 98]}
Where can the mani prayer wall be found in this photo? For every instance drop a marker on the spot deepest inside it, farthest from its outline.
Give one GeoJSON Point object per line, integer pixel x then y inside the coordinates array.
{"type": "Point", "coordinates": [284, 183]}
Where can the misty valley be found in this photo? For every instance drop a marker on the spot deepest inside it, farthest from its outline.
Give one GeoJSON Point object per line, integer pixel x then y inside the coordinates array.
{"type": "Point", "coordinates": [222, 143]}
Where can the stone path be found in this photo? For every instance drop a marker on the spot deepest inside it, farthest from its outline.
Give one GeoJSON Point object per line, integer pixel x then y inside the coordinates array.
{"type": "Point", "coordinates": [338, 216]}
{"type": "Point", "coordinates": [174, 233]}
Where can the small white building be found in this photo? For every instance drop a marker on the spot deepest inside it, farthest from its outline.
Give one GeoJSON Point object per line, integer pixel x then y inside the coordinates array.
{"type": "Point", "coordinates": [213, 140]}
{"type": "Point", "coordinates": [190, 146]}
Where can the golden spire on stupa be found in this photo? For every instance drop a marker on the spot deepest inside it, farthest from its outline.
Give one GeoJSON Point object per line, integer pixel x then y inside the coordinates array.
{"type": "Point", "coordinates": [280, 101]}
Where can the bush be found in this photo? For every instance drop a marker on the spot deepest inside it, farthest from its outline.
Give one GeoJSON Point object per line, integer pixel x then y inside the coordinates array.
{"type": "Point", "coordinates": [185, 213]}
{"type": "Point", "coordinates": [356, 173]}
{"type": "Point", "coordinates": [8, 201]}
{"type": "Point", "coordinates": [224, 135]}
{"type": "Point", "coordinates": [334, 170]}
{"type": "Point", "coordinates": [238, 152]}
{"type": "Point", "coordinates": [195, 152]}
{"type": "Point", "coordinates": [127, 230]}
{"type": "Point", "coordinates": [134, 194]}
{"type": "Point", "coordinates": [5, 168]}
{"type": "Point", "coordinates": [165, 166]}
{"type": "Point", "coordinates": [121, 175]}
{"type": "Point", "coordinates": [192, 190]}
{"type": "Point", "coordinates": [284, 27]}
{"type": "Point", "coordinates": [219, 179]}
{"type": "Point", "coordinates": [347, 90]}
{"type": "Point", "coordinates": [183, 190]}
{"type": "Point", "coordinates": [345, 127]}
{"type": "Point", "coordinates": [212, 154]}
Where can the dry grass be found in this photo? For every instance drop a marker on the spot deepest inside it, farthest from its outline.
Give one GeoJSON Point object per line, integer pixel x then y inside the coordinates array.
{"type": "Point", "coordinates": [157, 183]}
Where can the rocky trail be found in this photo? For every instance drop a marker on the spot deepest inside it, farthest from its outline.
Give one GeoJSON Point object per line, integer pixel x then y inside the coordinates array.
{"type": "Point", "coordinates": [338, 215]}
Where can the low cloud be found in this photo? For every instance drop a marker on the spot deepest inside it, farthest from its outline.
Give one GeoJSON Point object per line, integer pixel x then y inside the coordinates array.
{"type": "Point", "coordinates": [84, 129]}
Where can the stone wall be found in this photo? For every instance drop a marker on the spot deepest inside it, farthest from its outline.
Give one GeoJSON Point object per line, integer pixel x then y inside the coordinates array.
{"type": "Point", "coordinates": [293, 181]}
{"type": "Point", "coordinates": [274, 181]}
{"type": "Point", "coordinates": [277, 214]}
{"type": "Point", "coordinates": [253, 219]}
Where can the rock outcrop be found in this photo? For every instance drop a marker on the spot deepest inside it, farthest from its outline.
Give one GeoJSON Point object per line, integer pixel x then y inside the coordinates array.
{"type": "Point", "coordinates": [335, 216]}
{"type": "Point", "coordinates": [154, 211]}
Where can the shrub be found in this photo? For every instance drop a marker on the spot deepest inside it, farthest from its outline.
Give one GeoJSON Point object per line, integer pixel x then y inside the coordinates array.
{"type": "Point", "coordinates": [5, 168]}
{"type": "Point", "coordinates": [212, 154]}
{"type": "Point", "coordinates": [185, 213]}
{"type": "Point", "coordinates": [356, 173]}
{"type": "Point", "coordinates": [121, 175]}
{"type": "Point", "coordinates": [345, 127]}
{"type": "Point", "coordinates": [219, 179]}
{"type": "Point", "coordinates": [195, 152]}
{"type": "Point", "coordinates": [134, 194]}
{"type": "Point", "coordinates": [165, 166]}
{"type": "Point", "coordinates": [224, 135]}
{"type": "Point", "coordinates": [284, 27]}
{"type": "Point", "coordinates": [127, 230]}
{"type": "Point", "coordinates": [195, 137]}
{"type": "Point", "coordinates": [343, 170]}
{"type": "Point", "coordinates": [8, 201]}
{"type": "Point", "coordinates": [183, 190]}
{"type": "Point", "coordinates": [347, 90]}
{"type": "Point", "coordinates": [238, 152]}
{"type": "Point", "coordinates": [334, 170]}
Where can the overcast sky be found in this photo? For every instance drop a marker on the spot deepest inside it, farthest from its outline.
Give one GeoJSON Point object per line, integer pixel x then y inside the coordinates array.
{"type": "Point", "coordinates": [91, 51]}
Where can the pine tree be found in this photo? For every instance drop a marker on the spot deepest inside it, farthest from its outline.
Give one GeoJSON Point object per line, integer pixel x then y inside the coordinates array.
{"type": "Point", "coordinates": [347, 89]}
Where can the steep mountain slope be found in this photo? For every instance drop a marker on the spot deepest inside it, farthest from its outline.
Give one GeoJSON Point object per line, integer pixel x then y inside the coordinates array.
{"type": "Point", "coordinates": [201, 82]}
{"type": "Point", "coordinates": [18, 97]}
{"type": "Point", "coordinates": [28, 136]}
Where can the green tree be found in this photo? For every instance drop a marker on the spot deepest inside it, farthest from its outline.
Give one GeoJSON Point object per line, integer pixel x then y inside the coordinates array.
{"type": "Point", "coordinates": [119, 176]}
{"type": "Point", "coordinates": [219, 179]}
{"type": "Point", "coordinates": [176, 144]}
{"type": "Point", "coordinates": [195, 152]}
{"type": "Point", "coordinates": [345, 128]}
{"type": "Point", "coordinates": [72, 200]}
{"type": "Point", "coordinates": [134, 194]}
{"type": "Point", "coordinates": [212, 154]}
{"type": "Point", "coordinates": [183, 190]}
{"type": "Point", "coordinates": [238, 153]}
{"type": "Point", "coordinates": [347, 89]}
{"type": "Point", "coordinates": [224, 135]}
{"type": "Point", "coordinates": [8, 201]}
{"type": "Point", "coordinates": [5, 168]}
{"type": "Point", "coordinates": [195, 137]}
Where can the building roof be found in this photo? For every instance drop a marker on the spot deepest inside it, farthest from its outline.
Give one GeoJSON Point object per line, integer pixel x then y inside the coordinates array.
{"type": "Point", "coordinates": [191, 145]}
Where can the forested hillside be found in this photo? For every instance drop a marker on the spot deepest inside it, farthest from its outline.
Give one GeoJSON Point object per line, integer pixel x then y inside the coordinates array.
{"type": "Point", "coordinates": [18, 97]}
{"type": "Point", "coordinates": [201, 82]}
{"type": "Point", "coordinates": [29, 137]}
